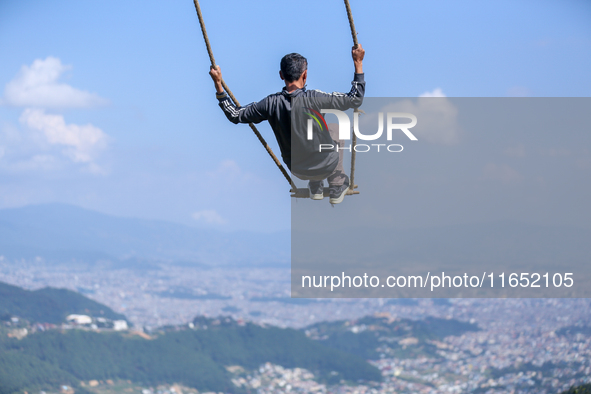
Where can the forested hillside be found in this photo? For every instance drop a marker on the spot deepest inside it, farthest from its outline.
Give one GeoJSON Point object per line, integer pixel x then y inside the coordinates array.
{"type": "Point", "coordinates": [47, 359]}
{"type": "Point", "coordinates": [366, 335]}
{"type": "Point", "coordinates": [49, 305]}
{"type": "Point", "coordinates": [584, 389]}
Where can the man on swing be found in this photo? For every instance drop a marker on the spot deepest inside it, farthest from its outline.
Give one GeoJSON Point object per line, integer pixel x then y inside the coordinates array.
{"type": "Point", "coordinates": [276, 109]}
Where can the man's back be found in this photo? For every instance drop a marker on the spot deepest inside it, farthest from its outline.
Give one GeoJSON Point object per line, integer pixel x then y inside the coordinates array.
{"type": "Point", "coordinates": [280, 110]}
{"type": "Point", "coordinates": [277, 110]}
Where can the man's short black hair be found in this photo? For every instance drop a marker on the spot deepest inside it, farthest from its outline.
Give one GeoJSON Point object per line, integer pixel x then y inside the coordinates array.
{"type": "Point", "coordinates": [292, 66]}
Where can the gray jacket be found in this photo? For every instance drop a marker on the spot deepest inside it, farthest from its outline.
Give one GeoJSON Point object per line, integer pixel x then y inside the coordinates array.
{"type": "Point", "coordinates": [276, 109]}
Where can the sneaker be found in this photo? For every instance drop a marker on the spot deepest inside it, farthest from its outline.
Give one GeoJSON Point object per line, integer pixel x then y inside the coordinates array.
{"type": "Point", "coordinates": [316, 190]}
{"type": "Point", "coordinates": [337, 193]}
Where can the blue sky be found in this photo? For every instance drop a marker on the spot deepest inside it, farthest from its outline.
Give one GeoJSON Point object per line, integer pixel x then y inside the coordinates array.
{"type": "Point", "coordinates": [108, 105]}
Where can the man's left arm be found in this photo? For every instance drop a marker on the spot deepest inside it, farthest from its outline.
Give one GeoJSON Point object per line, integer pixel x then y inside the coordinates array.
{"type": "Point", "coordinates": [252, 113]}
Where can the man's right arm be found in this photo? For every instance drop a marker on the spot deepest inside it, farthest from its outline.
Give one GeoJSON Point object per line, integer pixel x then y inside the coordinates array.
{"type": "Point", "coordinates": [354, 98]}
{"type": "Point", "coordinates": [358, 89]}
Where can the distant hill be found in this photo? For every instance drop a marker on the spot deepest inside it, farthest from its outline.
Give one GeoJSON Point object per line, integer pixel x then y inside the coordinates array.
{"type": "Point", "coordinates": [61, 232]}
{"type": "Point", "coordinates": [363, 336]}
{"type": "Point", "coordinates": [49, 305]}
{"type": "Point", "coordinates": [194, 358]}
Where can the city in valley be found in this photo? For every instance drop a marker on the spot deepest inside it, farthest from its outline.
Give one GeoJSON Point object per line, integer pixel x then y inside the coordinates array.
{"type": "Point", "coordinates": [519, 346]}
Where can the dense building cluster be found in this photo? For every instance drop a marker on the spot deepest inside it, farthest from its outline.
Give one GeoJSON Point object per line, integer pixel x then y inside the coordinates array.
{"type": "Point", "coordinates": [522, 346]}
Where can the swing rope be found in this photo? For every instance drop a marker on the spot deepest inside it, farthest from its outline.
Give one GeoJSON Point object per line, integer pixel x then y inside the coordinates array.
{"type": "Point", "coordinates": [351, 23]}
{"type": "Point", "coordinates": [294, 189]}
{"type": "Point", "coordinates": [229, 92]}
{"type": "Point", "coordinates": [354, 139]}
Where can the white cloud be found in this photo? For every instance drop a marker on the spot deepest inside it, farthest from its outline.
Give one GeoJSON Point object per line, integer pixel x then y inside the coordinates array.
{"type": "Point", "coordinates": [208, 216]}
{"type": "Point", "coordinates": [515, 151]}
{"type": "Point", "coordinates": [80, 143]}
{"type": "Point", "coordinates": [503, 173]}
{"type": "Point", "coordinates": [437, 121]}
{"type": "Point", "coordinates": [40, 162]}
{"type": "Point", "coordinates": [519, 91]}
{"type": "Point", "coordinates": [230, 173]}
{"type": "Point", "coordinates": [37, 86]}
{"type": "Point", "coordinates": [555, 152]}
{"type": "Point", "coordinates": [437, 92]}
{"type": "Point", "coordinates": [228, 169]}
